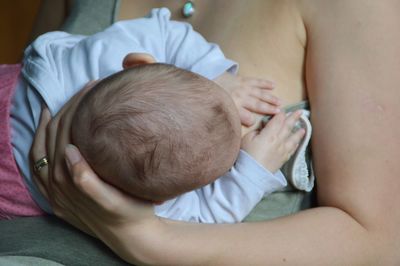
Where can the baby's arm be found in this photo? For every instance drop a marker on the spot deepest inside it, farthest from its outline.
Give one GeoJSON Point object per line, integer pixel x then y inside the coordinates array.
{"type": "Point", "coordinates": [230, 198]}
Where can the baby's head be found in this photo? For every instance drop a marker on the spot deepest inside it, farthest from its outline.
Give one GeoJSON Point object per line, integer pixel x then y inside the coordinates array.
{"type": "Point", "coordinates": [157, 131]}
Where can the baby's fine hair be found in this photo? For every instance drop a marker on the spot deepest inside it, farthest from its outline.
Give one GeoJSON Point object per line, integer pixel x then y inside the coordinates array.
{"type": "Point", "coordinates": [156, 131]}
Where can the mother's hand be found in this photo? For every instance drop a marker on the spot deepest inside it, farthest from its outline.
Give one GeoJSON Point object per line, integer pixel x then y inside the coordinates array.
{"type": "Point", "coordinates": [84, 200]}
{"type": "Point", "coordinates": [51, 138]}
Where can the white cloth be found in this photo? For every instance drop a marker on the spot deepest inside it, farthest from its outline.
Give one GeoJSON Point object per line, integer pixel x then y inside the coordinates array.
{"type": "Point", "coordinates": [58, 64]}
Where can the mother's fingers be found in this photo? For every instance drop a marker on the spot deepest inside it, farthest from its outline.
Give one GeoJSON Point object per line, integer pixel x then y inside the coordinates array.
{"type": "Point", "coordinates": [58, 136]}
{"type": "Point", "coordinates": [67, 114]}
{"type": "Point", "coordinates": [63, 120]}
{"type": "Point", "coordinates": [88, 182]}
{"type": "Point", "coordinates": [38, 151]}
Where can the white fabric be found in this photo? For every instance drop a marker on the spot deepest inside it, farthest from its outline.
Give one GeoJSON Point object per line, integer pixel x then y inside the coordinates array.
{"type": "Point", "coordinates": [302, 174]}
{"type": "Point", "coordinates": [229, 199]}
{"type": "Point", "coordinates": [57, 65]}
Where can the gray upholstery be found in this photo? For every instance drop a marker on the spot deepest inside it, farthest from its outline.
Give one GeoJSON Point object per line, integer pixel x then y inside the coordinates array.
{"type": "Point", "coordinates": [90, 16]}
{"type": "Point", "coordinates": [52, 239]}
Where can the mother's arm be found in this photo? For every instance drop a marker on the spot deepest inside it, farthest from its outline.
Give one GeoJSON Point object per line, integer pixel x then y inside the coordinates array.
{"type": "Point", "coordinates": [352, 79]}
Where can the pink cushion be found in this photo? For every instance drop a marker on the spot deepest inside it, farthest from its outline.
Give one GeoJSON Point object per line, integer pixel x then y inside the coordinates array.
{"type": "Point", "coordinates": [15, 199]}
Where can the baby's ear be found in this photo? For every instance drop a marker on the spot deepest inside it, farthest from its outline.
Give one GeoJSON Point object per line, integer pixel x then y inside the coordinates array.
{"type": "Point", "coordinates": [136, 59]}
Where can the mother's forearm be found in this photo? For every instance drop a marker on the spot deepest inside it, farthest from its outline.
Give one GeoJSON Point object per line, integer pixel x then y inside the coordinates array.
{"type": "Point", "coordinates": [137, 244]}
{"type": "Point", "coordinates": [321, 236]}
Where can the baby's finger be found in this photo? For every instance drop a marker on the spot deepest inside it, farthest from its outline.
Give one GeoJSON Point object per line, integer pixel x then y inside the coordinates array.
{"type": "Point", "coordinates": [265, 95]}
{"type": "Point", "coordinates": [274, 125]}
{"type": "Point", "coordinates": [247, 139]}
{"type": "Point", "coordinates": [294, 140]}
{"type": "Point", "coordinates": [246, 117]}
{"type": "Point", "coordinates": [257, 106]}
{"type": "Point", "coordinates": [290, 123]}
{"type": "Point", "coordinates": [261, 83]}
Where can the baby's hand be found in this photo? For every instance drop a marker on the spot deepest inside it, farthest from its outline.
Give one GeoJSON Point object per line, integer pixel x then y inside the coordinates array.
{"type": "Point", "coordinates": [273, 145]}
{"type": "Point", "coordinates": [251, 95]}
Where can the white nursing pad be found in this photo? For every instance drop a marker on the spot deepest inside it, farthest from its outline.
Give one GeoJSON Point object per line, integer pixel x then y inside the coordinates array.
{"type": "Point", "coordinates": [301, 174]}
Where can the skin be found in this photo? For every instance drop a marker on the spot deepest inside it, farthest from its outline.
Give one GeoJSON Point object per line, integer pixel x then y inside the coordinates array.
{"type": "Point", "coordinates": [350, 68]}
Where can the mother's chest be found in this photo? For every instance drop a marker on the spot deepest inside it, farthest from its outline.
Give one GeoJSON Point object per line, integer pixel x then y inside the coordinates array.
{"type": "Point", "coordinates": [265, 37]}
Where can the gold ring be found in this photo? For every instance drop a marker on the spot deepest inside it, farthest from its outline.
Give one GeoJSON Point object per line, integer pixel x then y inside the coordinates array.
{"type": "Point", "coordinates": [40, 164]}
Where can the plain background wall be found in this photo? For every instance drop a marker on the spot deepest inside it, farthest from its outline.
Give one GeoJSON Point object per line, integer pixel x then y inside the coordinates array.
{"type": "Point", "coordinates": [21, 21]}
{"type": "Point", "coordinates": [16, 22]}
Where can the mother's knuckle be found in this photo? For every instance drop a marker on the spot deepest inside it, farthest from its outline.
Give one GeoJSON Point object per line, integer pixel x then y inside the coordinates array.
{"type": "Point", "coordinates": [58, 179]}
{"type": "Point", "coordinates": [58, 211]}
{"type": "Point", "coordinates": [61, 122]}
{"type": "Point", "coordinates": [81, 178]}
{"type": "Point", "coordinates": [50, 126]}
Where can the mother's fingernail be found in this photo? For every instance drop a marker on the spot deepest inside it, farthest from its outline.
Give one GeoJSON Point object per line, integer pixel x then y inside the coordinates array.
{"type": "Point", "coordinates": [72, 155]}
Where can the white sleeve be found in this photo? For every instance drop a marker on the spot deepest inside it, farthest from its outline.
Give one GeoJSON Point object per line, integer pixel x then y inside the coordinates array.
{"type": "Point", "coordinates": [229, 199]}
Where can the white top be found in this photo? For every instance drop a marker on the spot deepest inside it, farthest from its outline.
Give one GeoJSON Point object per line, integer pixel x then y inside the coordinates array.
{"type": "Point", "coordinates": [58, 64]}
